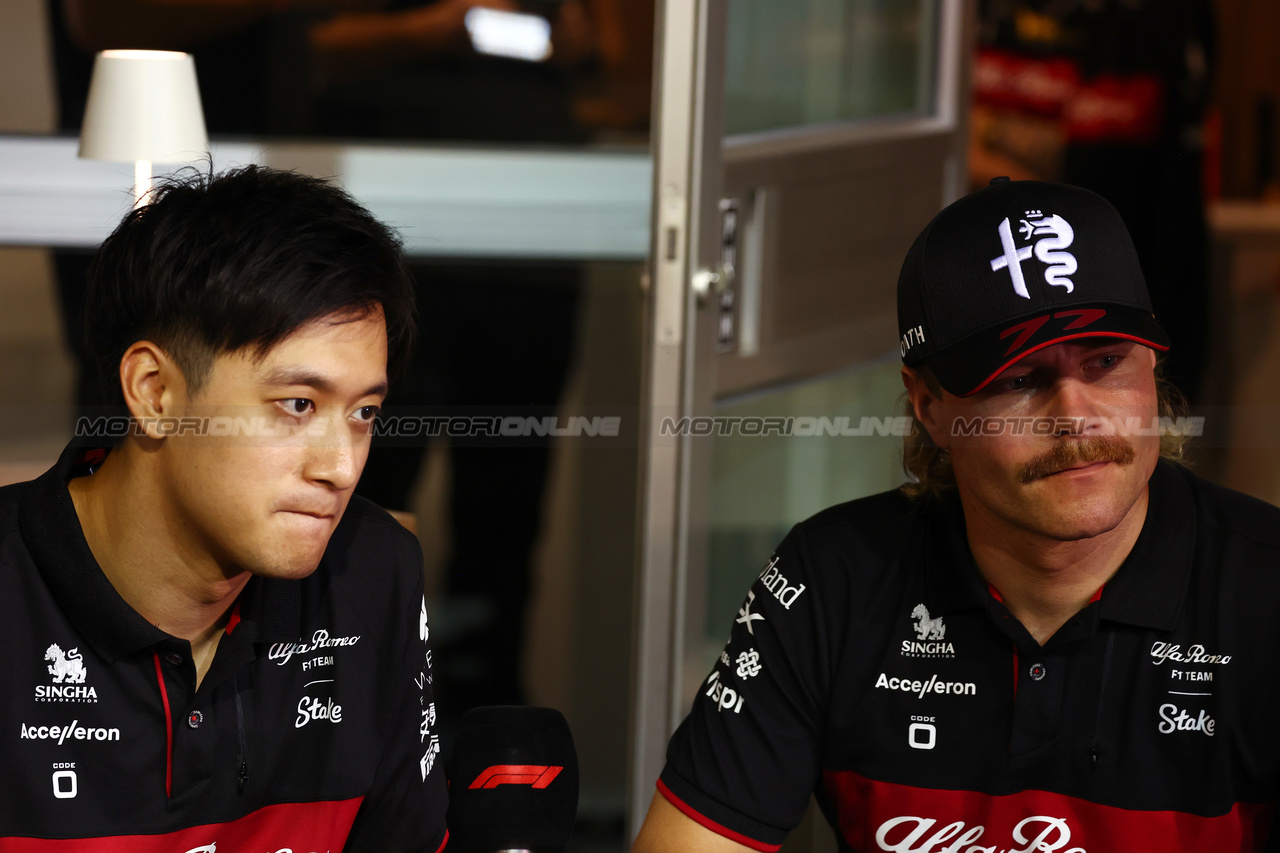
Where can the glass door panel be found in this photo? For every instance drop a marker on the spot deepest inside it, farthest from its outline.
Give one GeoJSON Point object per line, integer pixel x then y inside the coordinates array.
{"type": "Point", "coordinates": [779, 457]}
{"type": "Point", "coordinates": [791, 63]}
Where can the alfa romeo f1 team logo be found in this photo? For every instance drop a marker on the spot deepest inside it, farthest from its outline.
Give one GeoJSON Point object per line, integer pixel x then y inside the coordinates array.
{"type": "Point", "coordinates": [1055, 234]}
{"type": "Point", "coordinates": [914, 834]}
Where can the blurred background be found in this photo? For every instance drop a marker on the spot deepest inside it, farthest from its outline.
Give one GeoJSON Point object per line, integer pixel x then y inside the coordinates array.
{"type": "Point", "coordinates": [685, 210]}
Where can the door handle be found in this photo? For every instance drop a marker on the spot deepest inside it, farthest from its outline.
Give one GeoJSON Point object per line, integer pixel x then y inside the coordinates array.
{"type": "Point", "coordinates": [705, 282]}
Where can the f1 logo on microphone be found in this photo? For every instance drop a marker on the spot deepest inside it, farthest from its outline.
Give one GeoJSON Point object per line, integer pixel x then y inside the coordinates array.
{"type": "Point", "coordinates": [536, 775]}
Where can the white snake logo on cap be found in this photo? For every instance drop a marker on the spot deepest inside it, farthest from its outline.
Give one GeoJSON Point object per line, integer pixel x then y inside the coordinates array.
{"type": "Point", "coordinates": [1055, 235]}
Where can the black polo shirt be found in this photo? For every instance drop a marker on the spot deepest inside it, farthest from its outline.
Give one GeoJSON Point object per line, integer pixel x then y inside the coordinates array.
{"type": "Point", "coordinates": [313, 730]}
{"type": "Point", "coordinates": [871, 664]}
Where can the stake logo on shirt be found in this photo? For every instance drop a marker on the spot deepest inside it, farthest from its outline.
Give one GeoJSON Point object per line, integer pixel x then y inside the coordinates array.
{"type": "Point", "coordinates": [1173, 719]}
{"type": "Point", "coordinates": [312, 709]}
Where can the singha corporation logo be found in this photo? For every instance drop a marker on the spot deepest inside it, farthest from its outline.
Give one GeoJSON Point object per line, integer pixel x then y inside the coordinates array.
{"type": "Point", "coordinates": [69, 672]}
{"type": "Point", "coordinates": [68, 667]}
{"type": "Point", "coordinates": [930, 637]}
{"type": "Point", "coordinates": [926, 628]}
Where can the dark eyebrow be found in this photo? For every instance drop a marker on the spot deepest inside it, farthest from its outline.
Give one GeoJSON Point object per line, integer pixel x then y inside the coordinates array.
{"type": "Point", "coordinates": [303, 376]}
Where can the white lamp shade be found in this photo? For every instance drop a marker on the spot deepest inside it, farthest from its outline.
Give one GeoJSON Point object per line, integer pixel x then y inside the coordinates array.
{"type": "Point", "coordinates": [143, 105]}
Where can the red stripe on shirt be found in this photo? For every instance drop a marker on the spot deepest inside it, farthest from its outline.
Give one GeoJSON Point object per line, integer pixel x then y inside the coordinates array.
{"type": "Point", "coordinates": [234, 619]}
{"type": "Point", "coordinates": [168, 728]}
{"type": "Point", "coordinates": [295, 826]}
{"type": "Point", "coordinates": [692, 813]}
{"type": "Point", "coordinates": [886, 816]}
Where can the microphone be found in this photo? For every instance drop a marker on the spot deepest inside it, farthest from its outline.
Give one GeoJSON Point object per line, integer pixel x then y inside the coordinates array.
{"type": "Point", "coordinates": [513, 781]}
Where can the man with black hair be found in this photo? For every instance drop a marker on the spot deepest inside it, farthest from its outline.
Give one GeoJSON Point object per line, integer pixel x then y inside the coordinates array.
{"type": "Point", "coordinates": [1053, 639]}
{"type": "Point", "coordinates": [207, 642]}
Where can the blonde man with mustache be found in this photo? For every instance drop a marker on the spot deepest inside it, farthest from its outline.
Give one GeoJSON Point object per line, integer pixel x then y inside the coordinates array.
{"type": "Point", "coordinates": [1051, 639]}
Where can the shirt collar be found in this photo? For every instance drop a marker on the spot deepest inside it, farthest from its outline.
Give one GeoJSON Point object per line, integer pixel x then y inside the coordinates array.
{"type": "Point", "coordinates": [1151, 584]}
{"type": "Point", "coordinates": [952, 579]}
{"type": "Point", "coordinates": [270, 610]}
{"type": "Point", "coordinates": [1146, 591]}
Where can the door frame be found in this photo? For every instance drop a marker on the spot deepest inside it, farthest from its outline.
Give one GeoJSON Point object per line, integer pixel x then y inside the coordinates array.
{"type": "Point", "coordinates": [682, 369]}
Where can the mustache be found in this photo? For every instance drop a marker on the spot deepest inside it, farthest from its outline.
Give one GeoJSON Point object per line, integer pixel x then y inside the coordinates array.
{"type": "Point", "coordinates": [1076, 453]}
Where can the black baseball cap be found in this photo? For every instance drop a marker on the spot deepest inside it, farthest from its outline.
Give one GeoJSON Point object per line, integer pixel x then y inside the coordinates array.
{"type": "Point", "coordinates": [1013, 268]}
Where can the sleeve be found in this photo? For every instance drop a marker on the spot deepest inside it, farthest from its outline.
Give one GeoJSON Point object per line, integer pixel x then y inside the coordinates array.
{"type": "Point", "coordinates": [405, 808]}
{"type": "Point", "coordinates": [746, 759]}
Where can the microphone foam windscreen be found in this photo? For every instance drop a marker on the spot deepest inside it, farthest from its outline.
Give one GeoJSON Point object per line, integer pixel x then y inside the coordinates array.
{"type": "Point", "coordinates": [513, 781]}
